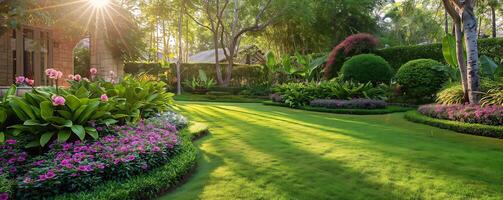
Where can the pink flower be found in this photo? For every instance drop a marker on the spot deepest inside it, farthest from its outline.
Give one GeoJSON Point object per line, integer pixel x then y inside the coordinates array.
{"type": "Point", "coordinates": [20, 80]}
{"type": "Point", "coordinates": [30, 82]}
{"type": "Point", "coordinates": [52, 73]}
{"type": "Point", "coordinates": [71, 77]}
{"type": "Point", "coordinates": [59, 74]}
{"type": "Point", "coordinates": [77, 77]}
{"type": "Point", "coordinates": [58, 101]}
{"type": "Point", "coordinates": [104, 98]}
{"type": "Point", "coordinates": [93, 71]}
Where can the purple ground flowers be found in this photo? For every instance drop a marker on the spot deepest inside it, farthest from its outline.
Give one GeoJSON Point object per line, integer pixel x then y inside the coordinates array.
{"type": "Point", "coordinates": [489, 115]}
{"type": "Point", "coordinates": [77, 166]}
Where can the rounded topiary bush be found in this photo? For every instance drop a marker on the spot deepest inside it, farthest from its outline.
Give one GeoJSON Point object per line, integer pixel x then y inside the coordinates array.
{"type": "Point", "coordinates": [366, 68]}
{"type": "Point", "coordinates": [421, 79]}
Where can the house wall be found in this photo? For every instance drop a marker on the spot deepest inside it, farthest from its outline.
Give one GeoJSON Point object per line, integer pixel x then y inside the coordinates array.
{"type": "Point", "coordinates": [6, 67]}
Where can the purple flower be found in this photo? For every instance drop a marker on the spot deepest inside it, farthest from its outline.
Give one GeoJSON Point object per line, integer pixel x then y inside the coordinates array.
{"type": "Point", "coordinates": [20, 80]}
{"type": "Point", "coordinates": [4, 196]}
{"type": "Point", "coordinates": [104, 98]}
{"type": "Point", "coordinates": [85, 168]}
{"type": "Point", "coordinates": [10, 142]}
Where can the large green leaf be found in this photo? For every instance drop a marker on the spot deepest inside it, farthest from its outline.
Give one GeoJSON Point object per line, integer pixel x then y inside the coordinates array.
{"type": "Point", "coordinates": [91, 108]}
{"type": "Point", "coordinates": [487, 66]}
{"type": "Point", "coordinates": [18, 111]}
{"type": "Point", "coordinates": [64, 135]}
{"type": "Point", "coordinates": [45, 138]}
{"type": "Point", "coordinates": [271, 60]}
{"type": "Point", "coordinates": [32, 122]}
{"type": "Point", "coordinates": [60, 122]}
{"type": "Point", "coordinates": [11, 91]}
{"type": "Point", "coordinates": [46, 110]}
{"type": "Point", "coordinates": [25, 107]}
{"type": "Point", "coordinates": [32, 144]}
{"type": "Point", "coordinates": [449, 50]}
{"type": "Point", "coordinates": [79, 111]}
{"type": "Point", "coordinates": [73, 102]}
{"type": "Point", "coordinates": [79, 131]}
{"type": "Point", "coordinates": [3, 115]}
{"type": "Point", "coordinates": [92, 132]}
{"type": "Point", "coordinates": [2, 137]}
{"type": "Point", "coordinates": [65, 114]}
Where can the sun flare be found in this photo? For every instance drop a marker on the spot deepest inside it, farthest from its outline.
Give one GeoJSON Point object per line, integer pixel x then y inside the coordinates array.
{"type": "Point", "coordinates": [99, 3]}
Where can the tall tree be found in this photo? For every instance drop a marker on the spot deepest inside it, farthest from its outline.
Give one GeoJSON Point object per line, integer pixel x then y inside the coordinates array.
{"type": "Point", "coordinates": [180, 48]}
{"type": "Point", "coordinates": [231, 33]}
{"type": "Point", "coordinates": [213, 11]}
{"type": "Point", "coordinates": [462, 12]}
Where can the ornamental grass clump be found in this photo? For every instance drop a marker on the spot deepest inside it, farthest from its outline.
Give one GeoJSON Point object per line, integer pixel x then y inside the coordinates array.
{"type": "Point", "coordinates": [489, 115]}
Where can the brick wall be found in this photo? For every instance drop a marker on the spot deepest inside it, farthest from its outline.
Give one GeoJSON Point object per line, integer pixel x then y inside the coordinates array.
{"type": "Point", "coordinates": [6, 67]}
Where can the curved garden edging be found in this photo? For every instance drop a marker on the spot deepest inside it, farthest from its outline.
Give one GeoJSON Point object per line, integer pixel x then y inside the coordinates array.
{"type": "Point", "coordinates": [461, 127]}
{"type": "Point", "coordinates": [158, 181]}
{"type": "Point", "coordinates": [388, 110]}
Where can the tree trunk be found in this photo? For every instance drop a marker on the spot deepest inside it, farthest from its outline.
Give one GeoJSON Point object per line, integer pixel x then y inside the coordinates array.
{"type": "Point", "coordinates": [470, 32]}
{"type": "Point", "coordinates": [461, 58]}
{"type": "Point", "coordinates": [446, 23]}
{"type": "Point", "coordinates": [217, 61]}
{"type": "Point", "coordinates": [493, 19]}
{"type": "Point", "coordinates": [180, 53]}
{"type": "Point", "coordinates": [228, 69]}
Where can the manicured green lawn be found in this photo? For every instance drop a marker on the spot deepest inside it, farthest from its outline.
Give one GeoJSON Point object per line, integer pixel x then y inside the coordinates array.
{"type": "Point", "coordinates": [264, 152]}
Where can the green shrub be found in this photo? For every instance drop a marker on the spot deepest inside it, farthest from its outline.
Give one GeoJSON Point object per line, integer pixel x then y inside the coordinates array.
{"type": "Point", "coordinates": [366, 68]}
{"type": "Point", "coordinates": [300, 94]}
{"type": "Point", "coordinates": [387, 110]}
{"type": "Point", "coordinates": [493, 97]}
{"type": "Point", "coordinates": [451, 94]}
{"type": "Point", "coordinates": [398, 56]}
{"type": "Point", "coordinates": [421, 79]}
{"type": "Point", "coordinates": [474, 129]}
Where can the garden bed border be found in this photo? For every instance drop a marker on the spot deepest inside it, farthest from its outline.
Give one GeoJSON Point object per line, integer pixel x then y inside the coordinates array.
{"type": "Point", "coordinates": [154, 183]}
{"type": "Point", "coordinates": [388, 110]}
{"type": "Point", "coordinates": [460, 127]}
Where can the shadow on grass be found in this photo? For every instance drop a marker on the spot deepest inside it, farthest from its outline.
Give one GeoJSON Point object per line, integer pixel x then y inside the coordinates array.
{"type": "Point", "coordinates": [245, 137]}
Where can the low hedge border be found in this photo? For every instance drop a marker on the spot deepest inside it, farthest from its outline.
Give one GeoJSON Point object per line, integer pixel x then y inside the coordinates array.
{"type": "Point", "coordinates": [223, 99]}
{"type": "Point", "coordinates": [461, 127]}
{"type": "Point", "coordinates": [153, 184]}
{"type": "Point", "coordinates": [388, 110]}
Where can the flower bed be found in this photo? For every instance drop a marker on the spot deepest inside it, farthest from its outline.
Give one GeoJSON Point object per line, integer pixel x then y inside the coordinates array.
{"type": "Point", "coordinates": [387, 110]}
{"type": "Point", "coordinates": [475, 114]}
{"type": "Point", "coordinates": [474, 129]}
{"type": "Point", "coordinates": [80, 166]}
{"type": "Point", "coordinates": [349, 104]}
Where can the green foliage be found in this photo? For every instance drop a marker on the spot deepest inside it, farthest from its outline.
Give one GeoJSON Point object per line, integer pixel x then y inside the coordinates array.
{"type": "Point", "coordinates": [296, 68]}
{"type": "Point", "coordinates": [397, 56]}
{"type": "Point", "coordinates": [300, 94]}
{"type": "Point", "coordinates": [367, 68]}
{"type": "Point", "coordinates": [41, 121]}
{"type": "Point", "coordinates": [242, 75]}
{"type": "Point", "coordinates": [493, 97]}
{"type": "Point", "coordinates": [491, 89]}
{"type": "Point", "coordinates": [138, 97]}
{"type": "Point", "coordinates": [421, 79]}
{"type": "Point", "coordinates": [202, 82]}
{"type": "Point", "coordinates": [6, 185]}
{"type": "Point", "coordinates": [81, 61]}
{"type": "Point", "coordinates": [474, 129]}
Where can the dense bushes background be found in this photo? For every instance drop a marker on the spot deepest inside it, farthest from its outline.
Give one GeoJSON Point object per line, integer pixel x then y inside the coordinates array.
{"type": "Point", "coordinates": [242, 75]}
{"type": "Point", "coordinates": [397, 56]}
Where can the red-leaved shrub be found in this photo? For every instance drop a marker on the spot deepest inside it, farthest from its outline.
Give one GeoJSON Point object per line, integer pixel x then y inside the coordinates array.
{"type": "Point", "coordinates": [353, 45]}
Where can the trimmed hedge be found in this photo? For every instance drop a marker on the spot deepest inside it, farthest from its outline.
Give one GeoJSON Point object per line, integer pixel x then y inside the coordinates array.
{"type": "Point", "coordinates": [242, 75]}
{"type": "Point", "coordinates": [474, 129]}
{"type": "Point", "coordinates": [387, 110]}
{"type": "Point", "coordinates": [397, 56]}
{"type": "Point", "coordinates": [6, 185]}
{"type": "Point", "coordinates": [366, 68]}
{"type": "Point", "coordinates": [149, 185]}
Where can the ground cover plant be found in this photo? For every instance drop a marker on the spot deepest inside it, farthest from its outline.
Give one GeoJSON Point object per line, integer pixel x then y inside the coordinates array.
{"type": "Point", "coordinates": [489, 115]}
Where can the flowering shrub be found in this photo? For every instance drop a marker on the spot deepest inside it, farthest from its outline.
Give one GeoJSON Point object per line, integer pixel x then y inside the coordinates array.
{"type": "Point", "coordinates": [79, 166]}
{"type": "Point", "coordinates": [173, 118]}
{"type": "Point", "coordinates": [349, 104]}
{"type": "Point", "coordinates": [489, 115]}
{"type": "Point", "coordinates": [353, 45]}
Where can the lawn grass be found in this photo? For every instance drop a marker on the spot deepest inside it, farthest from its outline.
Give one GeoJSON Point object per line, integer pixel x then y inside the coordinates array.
{"type": "Point", "coordinates": [264, 152]}
{"type": "Point", "coordinates": [217, 98]}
